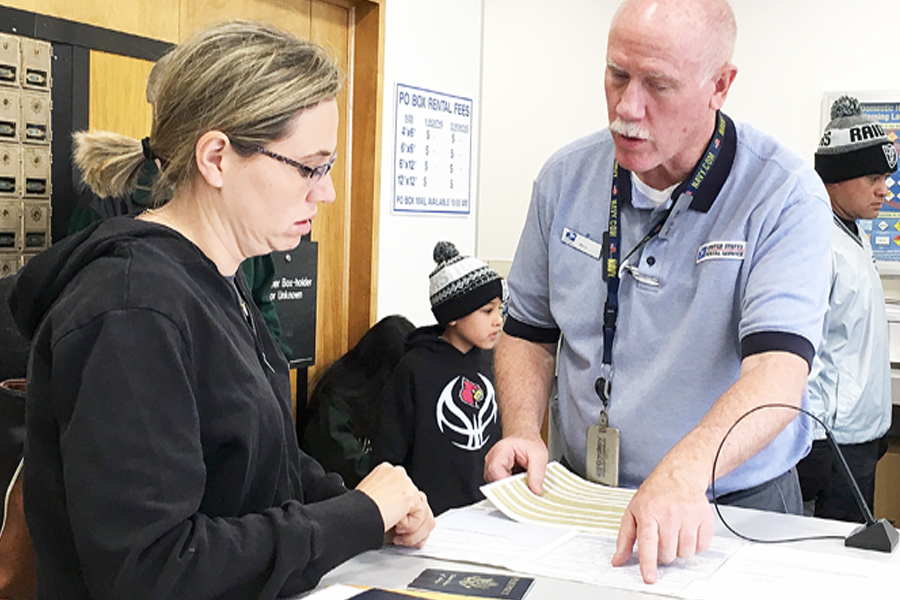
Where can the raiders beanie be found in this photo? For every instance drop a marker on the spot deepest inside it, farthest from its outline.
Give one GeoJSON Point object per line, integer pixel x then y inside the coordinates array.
{"type": "Point", "coordinates": [460, 285]}
{"type": "Point", "coordinates": [853, 145]}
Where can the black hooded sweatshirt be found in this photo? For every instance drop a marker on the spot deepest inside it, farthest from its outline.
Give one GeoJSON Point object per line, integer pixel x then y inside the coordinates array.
{"type": "Point", "coordinates": [161, 459]}
{"type": "Point", "coordinates": [439, 418]}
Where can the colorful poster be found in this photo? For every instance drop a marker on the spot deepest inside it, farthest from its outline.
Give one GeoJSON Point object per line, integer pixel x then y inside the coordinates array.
{"type": "Point", "coordinates": [884, 232]}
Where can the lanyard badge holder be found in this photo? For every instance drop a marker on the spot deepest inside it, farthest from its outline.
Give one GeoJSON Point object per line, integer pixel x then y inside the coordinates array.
{"type": "Point", "coordinates": [602, 457]}
{"type": "Point", "coordinates": [602, 461]}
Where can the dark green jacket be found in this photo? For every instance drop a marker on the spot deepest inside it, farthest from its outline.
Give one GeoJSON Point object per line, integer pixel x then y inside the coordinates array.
{"type": "Point", "coordinates": [259, 271]}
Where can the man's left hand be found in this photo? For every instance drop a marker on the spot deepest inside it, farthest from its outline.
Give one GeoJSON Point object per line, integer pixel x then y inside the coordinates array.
{"type": "Point", "coordinates": [667, 519]}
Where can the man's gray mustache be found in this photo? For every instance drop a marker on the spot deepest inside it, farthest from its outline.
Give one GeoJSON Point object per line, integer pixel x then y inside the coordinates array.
{"type": "Point", "coordinates": [632, 130]}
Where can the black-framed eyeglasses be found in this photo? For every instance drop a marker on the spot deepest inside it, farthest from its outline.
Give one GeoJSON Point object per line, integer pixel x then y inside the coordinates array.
{"type": "Point", "coordinates": [311, 173]}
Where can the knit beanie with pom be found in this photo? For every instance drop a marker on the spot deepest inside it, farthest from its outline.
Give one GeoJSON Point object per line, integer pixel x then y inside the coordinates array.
{"type": "Point", "coordinates": [460, 285]}
{"type": "Point", "coordinates": [853, 145]}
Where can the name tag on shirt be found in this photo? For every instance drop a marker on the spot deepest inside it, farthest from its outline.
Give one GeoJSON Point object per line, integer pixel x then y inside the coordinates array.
{"type": "Point", "coordinates": [584, 244]}
{"type": "Point", "coordinates": [721, 251]}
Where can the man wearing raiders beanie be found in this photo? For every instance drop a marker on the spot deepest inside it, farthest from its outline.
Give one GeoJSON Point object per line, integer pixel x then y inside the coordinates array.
{"type": "Point", "coordinates": [850, 382]}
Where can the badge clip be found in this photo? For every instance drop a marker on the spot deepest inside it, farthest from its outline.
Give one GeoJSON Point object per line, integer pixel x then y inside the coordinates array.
{"type": "Point", "coordinates": [602, 459]}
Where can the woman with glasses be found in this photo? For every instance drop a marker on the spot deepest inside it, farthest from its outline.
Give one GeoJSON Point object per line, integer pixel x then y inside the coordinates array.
{"type": "Point", "coordinates": [162, 460]}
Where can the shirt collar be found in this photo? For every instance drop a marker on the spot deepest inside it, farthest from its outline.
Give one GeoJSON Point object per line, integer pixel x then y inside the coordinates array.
{"type": "Point", "coordinates": [715, 179]}
{"type": "Point", "coordinates": [709, 191]}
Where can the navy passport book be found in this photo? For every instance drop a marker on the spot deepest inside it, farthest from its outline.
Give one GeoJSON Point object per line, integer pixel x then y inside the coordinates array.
{"type": "Point", "coordinates": [483, 585]}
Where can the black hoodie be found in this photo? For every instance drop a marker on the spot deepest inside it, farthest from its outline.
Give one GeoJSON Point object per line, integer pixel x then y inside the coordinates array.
{"type": "Point", "coordinates": [439, 418]}
{"type": "Point", "coordinates": [161, 459]}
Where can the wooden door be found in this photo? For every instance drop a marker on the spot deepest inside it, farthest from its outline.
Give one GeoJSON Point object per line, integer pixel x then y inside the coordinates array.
{"type": "Point", "coordinates": [112, 110]}
{"type": "Point", "coordinates": [353, 31]}
{"type": "Point", "coordinates": [156, 19]}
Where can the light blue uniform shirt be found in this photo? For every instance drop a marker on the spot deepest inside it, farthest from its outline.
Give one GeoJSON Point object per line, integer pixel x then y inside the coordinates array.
{"type": "Point", "coordinates": [850, 382]}
{"type": "Point", "coordinates": [742, 271]}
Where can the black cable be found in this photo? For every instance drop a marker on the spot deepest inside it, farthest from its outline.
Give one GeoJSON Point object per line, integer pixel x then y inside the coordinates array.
{"type": "Point", "coordinates": [716, 461]}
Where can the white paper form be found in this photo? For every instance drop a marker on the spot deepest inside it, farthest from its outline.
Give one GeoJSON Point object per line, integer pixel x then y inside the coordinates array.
{"type": "Point", "coordinates": [334, 592]}
{"type": "Point", "coordinates": [482, 535]}
{"type": "Point", "coordinates": [596, 510]}
{"type": "Point", "coordinates": [587, 558]}
{"type": "Point", "coordinates": [568, 533]}
{"type": "Point", "coordinates": [773, 571]}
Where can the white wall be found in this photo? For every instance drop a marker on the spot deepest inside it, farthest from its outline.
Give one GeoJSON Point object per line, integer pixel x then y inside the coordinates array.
{"type": "Point", "coordinates": [543, 70]}
{"type": "Point", "coordinates": [435, 45]}
{"type": "Point", "coordinates": [542, 88]}
{"type": "Point", "coordinates": [791, 52]}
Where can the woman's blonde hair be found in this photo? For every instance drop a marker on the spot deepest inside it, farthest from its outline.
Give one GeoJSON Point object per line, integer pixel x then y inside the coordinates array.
{"type": "Point", "coordinates": [246, 79]}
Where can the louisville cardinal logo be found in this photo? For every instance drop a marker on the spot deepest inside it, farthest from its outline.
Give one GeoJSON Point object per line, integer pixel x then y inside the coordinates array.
{"type": "Point", "coordinates": [470, 393]}
{"type": "Point", "coordinates": [466, 419]}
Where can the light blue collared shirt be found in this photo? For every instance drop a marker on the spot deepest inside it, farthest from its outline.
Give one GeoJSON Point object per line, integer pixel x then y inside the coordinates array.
{"type": "Point", "coordinates": [740, 272]}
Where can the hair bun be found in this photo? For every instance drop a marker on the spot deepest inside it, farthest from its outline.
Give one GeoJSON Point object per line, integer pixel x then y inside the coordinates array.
{"type": "Point", "coordinates": [444, 251]}
{"type": "Point", "coordinates": [845, 106]}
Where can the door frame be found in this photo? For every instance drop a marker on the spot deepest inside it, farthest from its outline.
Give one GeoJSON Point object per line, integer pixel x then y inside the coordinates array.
{"type": "Point", "coordinates": [73, 42]}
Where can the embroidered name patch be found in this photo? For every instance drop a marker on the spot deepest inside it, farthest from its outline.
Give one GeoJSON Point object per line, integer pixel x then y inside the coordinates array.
{"type": "Point", "coordinates": [721, 250]}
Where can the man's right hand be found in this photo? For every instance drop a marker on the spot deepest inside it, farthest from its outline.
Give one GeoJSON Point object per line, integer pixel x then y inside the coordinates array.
{"type": "Point", "coordinates": [528, 452]}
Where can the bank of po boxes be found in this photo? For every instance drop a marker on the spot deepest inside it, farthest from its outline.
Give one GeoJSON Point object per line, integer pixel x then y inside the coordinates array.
{"type": "Point", "coordinates": [25, 135]}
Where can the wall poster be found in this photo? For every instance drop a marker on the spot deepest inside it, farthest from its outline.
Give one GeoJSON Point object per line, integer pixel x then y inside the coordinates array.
{"type": "Point", "coordinates": [432, 152]}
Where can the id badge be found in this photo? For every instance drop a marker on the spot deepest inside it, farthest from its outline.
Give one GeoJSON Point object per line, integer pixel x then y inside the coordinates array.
{"type": "Point", "coordinates": [602, 462]}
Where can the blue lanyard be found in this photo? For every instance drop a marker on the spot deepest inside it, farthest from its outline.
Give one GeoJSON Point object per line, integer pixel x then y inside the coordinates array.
{"type": "Point", "coordinates": [622, 178]}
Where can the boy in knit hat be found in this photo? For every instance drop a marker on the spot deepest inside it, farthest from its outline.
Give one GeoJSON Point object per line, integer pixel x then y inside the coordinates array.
{"type": "Point", "coordinates": [439, 413]}
{"type": "Point", "coordinates": [850, 382]}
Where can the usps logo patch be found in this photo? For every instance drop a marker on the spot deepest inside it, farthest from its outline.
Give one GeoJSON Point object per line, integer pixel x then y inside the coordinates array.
{"type": "Point", "coordinates": [721, 251]}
